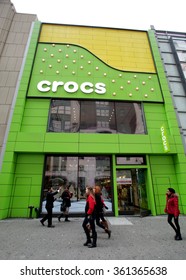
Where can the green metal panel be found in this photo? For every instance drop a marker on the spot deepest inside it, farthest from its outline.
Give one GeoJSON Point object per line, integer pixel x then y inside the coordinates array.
{"type": "Point", "coordinates": [69, 63]}
{"type": "Point", "coordinates": [27, 184]}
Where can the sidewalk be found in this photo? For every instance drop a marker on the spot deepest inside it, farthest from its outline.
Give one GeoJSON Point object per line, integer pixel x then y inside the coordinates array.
{"type": "Point", "coordinates": [133, 238]}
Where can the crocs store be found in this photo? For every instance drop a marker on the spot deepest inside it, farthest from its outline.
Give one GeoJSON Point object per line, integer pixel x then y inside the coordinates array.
{"type": "Point", "coordinates": [93, 107]}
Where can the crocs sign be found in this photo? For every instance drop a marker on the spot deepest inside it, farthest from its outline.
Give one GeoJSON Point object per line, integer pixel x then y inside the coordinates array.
{"type": "Point", "coordinates": [164, 139]}
{"type": "Point", "coordinates": [71, 87]}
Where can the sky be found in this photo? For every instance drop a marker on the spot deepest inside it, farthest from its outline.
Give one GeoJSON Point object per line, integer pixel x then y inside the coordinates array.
{"type": "Point", "coordinates": [126, 14]}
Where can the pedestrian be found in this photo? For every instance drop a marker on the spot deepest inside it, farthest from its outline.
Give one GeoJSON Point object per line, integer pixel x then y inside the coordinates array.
{"type": "Point", "coordinates": [66, 203]}
{"type": "Point", "coordinates": [49, 206]}
{"type": "Point", "coordinates": [172, 209]}
{"type": "Point", "coordinates": [89, 220]}
{"type": "Point", "coordinates": [100, 205]}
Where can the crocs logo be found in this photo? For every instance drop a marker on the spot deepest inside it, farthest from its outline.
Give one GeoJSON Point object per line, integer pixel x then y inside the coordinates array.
{"type": "Point", "coordinates": [164, 139]}
{"type": "Point", "coordinates": [71, 87]}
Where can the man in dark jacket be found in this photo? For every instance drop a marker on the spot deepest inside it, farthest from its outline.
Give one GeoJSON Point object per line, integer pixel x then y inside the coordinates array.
{"type": "Point", "coordinates": [49, 205]}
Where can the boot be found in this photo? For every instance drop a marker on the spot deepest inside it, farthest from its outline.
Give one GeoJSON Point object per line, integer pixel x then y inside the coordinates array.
{"type": "Point", "coordinates": [87, 243]}
{"type": "Point", "coordinates": [59, 217]}
{"type": "Point", "coordinates": [178, 237]}
{"type": "Point", "coordinates": [66, 219]}
{"type": "Point", "coordinates": [93, 245]}
{"type": "Point", "coordinates": [108, 232]}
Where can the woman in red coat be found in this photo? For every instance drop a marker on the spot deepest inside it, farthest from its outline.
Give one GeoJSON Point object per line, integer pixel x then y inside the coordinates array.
{"type": "Point", "coordinates": [90, 218]}
{"type": "Point", "coordinates": [172, 209]}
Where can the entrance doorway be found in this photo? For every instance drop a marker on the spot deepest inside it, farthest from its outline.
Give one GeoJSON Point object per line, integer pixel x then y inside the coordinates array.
{"type": "Point", "coordinates": [131, 188]}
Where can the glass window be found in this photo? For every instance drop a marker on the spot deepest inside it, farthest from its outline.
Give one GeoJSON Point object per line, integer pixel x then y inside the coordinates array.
{"type": "Point", "coordinates": [88, 116]}
{"type": "Point", "coordinates": [130, 160]}
{"type": "Point", "coordinates": [129, 118]}
{"type": "Point", "coordinates": [64, 116]}
{"type": "Point", "coordinates": [182, 56]}
{"type": "Point", "coordinates": [77, 173]}
{"type": "Point", "coordinates": [180, 44]}
{"type": "Point", "coordinates": [183, 67]}
{"type": "Point", "coordinates": [97, 117]}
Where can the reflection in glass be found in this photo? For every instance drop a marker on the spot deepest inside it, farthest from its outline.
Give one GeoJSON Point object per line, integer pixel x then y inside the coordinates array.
{"type": "Point", "coordinates": [87, 116]}
{"type": "Point", "coordinates": [64, 116]}
{"type": "Point", "coordinates": [77, 173]}
{"type": "Point", "coordinates": [183, 67]}
{"type": "Point", "coordinates": [97, 117]}
{"type": "Point", "coordinates": [180, 44]}
{"type": "Point", "coordinates": [129, 118]}
{"type": "Point", "coordinates": [130, 160]}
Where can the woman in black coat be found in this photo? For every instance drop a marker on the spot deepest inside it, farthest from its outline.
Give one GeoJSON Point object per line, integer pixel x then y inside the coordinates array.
{"type": "Point", "coordinates": [100, 205]}
{"type": "Point", "coordinates": [66, 197]}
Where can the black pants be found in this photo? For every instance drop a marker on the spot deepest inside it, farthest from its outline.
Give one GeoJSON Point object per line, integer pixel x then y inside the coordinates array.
{"type": "Point", "coordinates": [48, 216]}
{"type": "Point", "coordinates": [90, 221]}
{"type": "Point", "coordinates": [100, 216]}
{"type": "Point", "coordinates": [175, 226]}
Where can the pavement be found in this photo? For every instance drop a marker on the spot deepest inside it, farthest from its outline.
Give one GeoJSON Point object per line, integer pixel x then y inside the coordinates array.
{"type": "Point", "coordinates": [132, 238]}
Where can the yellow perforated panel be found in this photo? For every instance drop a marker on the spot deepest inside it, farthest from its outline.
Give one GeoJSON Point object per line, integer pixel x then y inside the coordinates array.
{"type": "Point", "coordinates": [127, 50]}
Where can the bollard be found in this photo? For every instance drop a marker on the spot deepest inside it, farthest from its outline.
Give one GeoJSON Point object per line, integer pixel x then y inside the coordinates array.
{"type": "Point", "coordinates": [37, 212]}
{"type": "Point", "coordinates": [30, 214]}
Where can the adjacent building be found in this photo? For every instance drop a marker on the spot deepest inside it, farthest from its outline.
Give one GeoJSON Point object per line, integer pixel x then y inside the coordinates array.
{"type": "Point", "coordinates": [96, 105]}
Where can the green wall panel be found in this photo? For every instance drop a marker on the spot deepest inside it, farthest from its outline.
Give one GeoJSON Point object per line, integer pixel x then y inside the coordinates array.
{"type": "Point", "coordinates": [99, 148]}
{"type": "Point", "coordinates": [61, 147]}
{"type": "Point", "coordinates": [62, 137]}
{"type": "Point", "coordinates": [163, 176]}
{"type": "Point", "coordinates": [27, 184]}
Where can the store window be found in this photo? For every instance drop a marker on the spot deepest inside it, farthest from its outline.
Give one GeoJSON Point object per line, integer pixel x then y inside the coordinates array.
{"type": "Point", "coordinates": [130, 160]}
{"type": "Point", "coordinates": [77, 173]}
{"type": "Point", "coordinates": [87, 116]}
{"type": "Point", "coordinates": [64, 116]}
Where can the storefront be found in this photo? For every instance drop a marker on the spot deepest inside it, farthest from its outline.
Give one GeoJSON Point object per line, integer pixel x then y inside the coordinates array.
{"type": "Point", "coordinates": [93, 108]}
{"type": "Point", "coordinates": [79, 172]}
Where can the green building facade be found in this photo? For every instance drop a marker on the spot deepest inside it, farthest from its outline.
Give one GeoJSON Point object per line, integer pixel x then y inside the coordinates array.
{"type": "Point", "coordinates": [93, 107]}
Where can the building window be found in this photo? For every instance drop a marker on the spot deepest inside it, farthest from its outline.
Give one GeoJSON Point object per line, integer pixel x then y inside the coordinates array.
{"type": "Point", "coordinates": [87, 116]}
{"type": "Point", "coordinates": [180, 47]}
{"type": "Point", "coordinates": [77, 173]}
{"type": "Point", "coordinates": [130, 160]}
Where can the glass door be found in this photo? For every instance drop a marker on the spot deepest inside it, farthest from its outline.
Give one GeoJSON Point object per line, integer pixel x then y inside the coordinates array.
{"type": "Point", "coordinates": [127, 192]}
{"type": "Point", "coordinates": [143, 203]}
{"type": "Point", "coordinates": [132, 197]}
